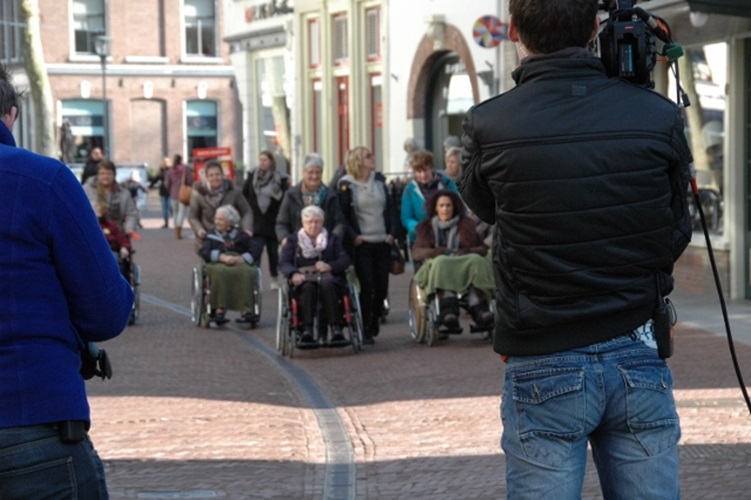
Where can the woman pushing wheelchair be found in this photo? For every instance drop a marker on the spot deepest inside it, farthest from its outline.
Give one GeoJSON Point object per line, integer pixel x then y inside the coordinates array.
{"type": "Point", "coordinates": [314, 262]}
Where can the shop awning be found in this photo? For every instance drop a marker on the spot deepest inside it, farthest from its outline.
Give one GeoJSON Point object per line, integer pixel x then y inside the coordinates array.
{"type": "Point", "coordinates": [724, 7]}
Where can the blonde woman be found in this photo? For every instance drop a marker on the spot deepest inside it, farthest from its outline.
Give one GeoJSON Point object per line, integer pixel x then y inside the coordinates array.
{"type": "Point", "coordinates": [370, 225]}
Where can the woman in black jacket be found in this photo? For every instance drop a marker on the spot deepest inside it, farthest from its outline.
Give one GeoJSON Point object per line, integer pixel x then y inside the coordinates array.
{"type": "Point", "coordinates": [264, 189]}
{"type": "Point", "coordinates": [366, 203]}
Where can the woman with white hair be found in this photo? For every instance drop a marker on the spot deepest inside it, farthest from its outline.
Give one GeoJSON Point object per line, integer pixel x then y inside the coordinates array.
{"type": "Point", "coordinates": [310, 191]}
{"type": "Point", "coordinates": [226, 249]}
{"type": "Point", "coordinates": [314, 261]}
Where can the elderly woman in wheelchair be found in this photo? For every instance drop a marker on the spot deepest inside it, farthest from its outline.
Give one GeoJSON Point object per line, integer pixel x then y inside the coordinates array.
{"type": "Point", "coordinates": [452, 263]}
{"type": "Point", "coordinates": [227, 252]}
{"type": "Point", "coordinates": [314, 263]}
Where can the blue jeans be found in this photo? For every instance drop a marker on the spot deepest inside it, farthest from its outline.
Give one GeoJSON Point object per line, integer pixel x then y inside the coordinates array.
{"type": "Point", "coordinates": [616, 395]}
{"type": "Point", "coordinates": [166, 208]}
{"type": "Point", "coordinates": [35, 463]}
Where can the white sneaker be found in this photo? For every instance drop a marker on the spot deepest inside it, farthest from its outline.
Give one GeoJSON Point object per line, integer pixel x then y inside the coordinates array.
{"type": "Point", "coordinates": [274, 284]}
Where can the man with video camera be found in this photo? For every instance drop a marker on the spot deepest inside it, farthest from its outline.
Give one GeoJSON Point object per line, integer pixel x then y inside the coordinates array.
{"type": "Point", "coordinates": [585, 177]}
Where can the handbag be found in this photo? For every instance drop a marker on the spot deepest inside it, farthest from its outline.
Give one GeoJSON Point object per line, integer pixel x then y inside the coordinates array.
{"type": "Point", "coordinates": [185, 190]}
{"type": "Point", "coordinates": [397, 260]}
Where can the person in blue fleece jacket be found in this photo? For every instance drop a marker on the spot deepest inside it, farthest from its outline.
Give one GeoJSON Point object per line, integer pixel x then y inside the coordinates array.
{"type": "Point", "coordinates": [60, 288]}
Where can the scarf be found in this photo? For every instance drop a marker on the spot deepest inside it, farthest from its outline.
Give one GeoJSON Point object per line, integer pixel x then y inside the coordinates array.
{"type": "Point", "coordinates": [313, 198]}
{"type": "Point", "coordinates": [214, 198]}
{"type": "Point", "coordinates": [446, 233]}
{"type": "Point", "coordinates": [106, 198]}
{"type": "Point", "coordinates": [267, 186]}
{"type": "Point", "coordinates": [433, 185]}
{"type": "Point", "coordinates": [311, 249]}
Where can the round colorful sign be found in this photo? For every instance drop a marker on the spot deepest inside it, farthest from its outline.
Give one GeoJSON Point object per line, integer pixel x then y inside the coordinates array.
{"type": "Point", "coordinates": [488, 31]}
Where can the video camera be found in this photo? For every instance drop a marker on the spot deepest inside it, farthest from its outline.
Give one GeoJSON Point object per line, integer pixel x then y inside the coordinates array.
{"type": "Point", "coordinates": [628, 43]}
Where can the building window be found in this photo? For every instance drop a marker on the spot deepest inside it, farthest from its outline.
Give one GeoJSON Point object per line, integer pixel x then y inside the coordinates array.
{"type": "Point", "coordinates": [273, 109]}
{"type": "Point", "coordinates": [339, 38]}
{"type": "Point", "coordinates": [86, 120]}
{"type": "Point", "coordinates": [10, 31]}
{"type": "Point", "coordinates": [200, 28]}
{"type": "Point", "coordinates": [373, 34]}
{"type": "Point", "coordinates": [375, 118]}
{"type": "Point", "coordinates": [314, 43]}
{"type": "Point", "coordinates": [88, 23]}
{"type": "Point", "coordinates": [317, 115]}
{"type": "Point", "coordinates": [201, 125]}
{"type": "Point", "coordinates": [342, 101]}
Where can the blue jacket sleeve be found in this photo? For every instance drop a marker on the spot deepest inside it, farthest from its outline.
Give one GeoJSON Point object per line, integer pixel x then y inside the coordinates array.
{"type": "Point", "coordinates": [99, 298]}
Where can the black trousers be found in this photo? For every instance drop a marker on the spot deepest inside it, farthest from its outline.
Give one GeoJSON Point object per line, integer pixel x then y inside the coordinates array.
{"type": "Point", "coordinates": [272, 249]}
{"type": "Point", "coordinates": [330, 292]}
{"type": "Point", "coordinates": [372, 264]}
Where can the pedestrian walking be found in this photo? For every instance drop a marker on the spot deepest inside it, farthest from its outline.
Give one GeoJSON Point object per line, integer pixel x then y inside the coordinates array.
{"type": "Point", "coordinates": [370, 225]}
{"type": "Point", "coordinates": [264, 189]}
{"type": "Point", "coordinates": [178, 175]}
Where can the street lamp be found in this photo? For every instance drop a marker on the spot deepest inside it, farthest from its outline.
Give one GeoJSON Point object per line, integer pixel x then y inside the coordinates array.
{"type": "Point", "coordinates": [102, 49]}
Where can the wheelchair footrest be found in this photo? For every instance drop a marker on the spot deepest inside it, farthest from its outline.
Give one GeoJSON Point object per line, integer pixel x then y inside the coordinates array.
{"type": "Point", "coordinates": [453, 330]}
{"type": "Point", "coordinates": [479, 328]}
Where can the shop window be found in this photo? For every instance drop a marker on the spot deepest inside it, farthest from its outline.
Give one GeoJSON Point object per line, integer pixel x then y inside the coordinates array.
{"type": "Point", "coordinates": [86, 121]}
{"type": "Point", "coordinates": [200, 28]}
{"type": "Point", "coordinates": [314, 43]}
{"type": "Point", "coordinates": [88, 23]}
{"type": "Point", "coordinates": [340, 41]}
{"type": "Point", "coordinates": [11, 25]}
{"type": "Point", "coordinates": [201, 125]}
{"type": "Point", "coordinates": [373, 34]}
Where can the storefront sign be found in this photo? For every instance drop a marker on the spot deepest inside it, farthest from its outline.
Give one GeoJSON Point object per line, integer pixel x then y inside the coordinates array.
{"type": "Point", "coordinates": [267, 10]}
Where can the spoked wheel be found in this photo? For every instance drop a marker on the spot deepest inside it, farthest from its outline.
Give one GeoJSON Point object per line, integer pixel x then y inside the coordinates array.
{"type": "Point", "coordinates": [135, 313]}
{"type": "Point", "coordinates": [197, 309]}
{"type": "Point", "coordinates": [282, 322]}
{"type": "Point", "coordinates": [417, 316]}
{"type": "Point", "coordinates": [431, 324]}
{"type": "Point", "coordinates": [354, 322]}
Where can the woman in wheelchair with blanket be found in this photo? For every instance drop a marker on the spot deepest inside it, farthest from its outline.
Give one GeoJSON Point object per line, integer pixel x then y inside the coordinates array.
{"type": "Point", "coordinates": [314, 262]}
{"type": "Point", "coordinates": [452, 261]}
{"type": "Point", "coordinates": [228, 253]}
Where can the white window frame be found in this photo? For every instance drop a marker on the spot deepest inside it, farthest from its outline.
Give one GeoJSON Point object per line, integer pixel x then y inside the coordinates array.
{"type": "Point", "coordinates": [73, 22]}
{"type": "Point", "coordinates": [197, 56]}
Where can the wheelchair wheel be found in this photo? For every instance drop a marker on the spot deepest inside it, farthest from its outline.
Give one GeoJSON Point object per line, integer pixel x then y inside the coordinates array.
{"type": "Point", "coordinates": [354, 317]}
{"type": "Point", "coordinates": [431, 322]}
{"type": "Point", "coordinates": [135, 281]}
{"type": "Point", "coordinates": [417, 312]}
{"type": "Point", "coordinates": [257, 289]}
{"type": "Point", "coordinates": [199, 303]}
{"type": "Point", "coordinates": [282, 320]}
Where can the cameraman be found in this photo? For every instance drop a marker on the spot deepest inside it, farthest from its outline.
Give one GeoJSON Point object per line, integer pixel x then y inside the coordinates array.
{"type": "Point", "coordinates": [60, 287]}
{"type": "Point", "coordinates": [586, 179]}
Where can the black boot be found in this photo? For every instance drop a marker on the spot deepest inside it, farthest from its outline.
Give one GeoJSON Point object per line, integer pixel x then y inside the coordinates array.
{"type": "Point", "coordinates": [481, 315]}
{"type": "Point", "coordinates": [449, 316]}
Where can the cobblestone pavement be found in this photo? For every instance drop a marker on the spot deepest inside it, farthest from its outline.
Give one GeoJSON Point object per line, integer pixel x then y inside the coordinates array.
{"type": "Point", "coordinates": [216, 413]}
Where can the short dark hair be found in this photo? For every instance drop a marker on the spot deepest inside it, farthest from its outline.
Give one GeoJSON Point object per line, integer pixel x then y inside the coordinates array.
{"type": "Point", "coordinates": [421, 160]}
{"type": "Point", "coordinates": [213, 164]}
{"type": "Point", "coordinates": [106, 165]}
{"type": "Point", "coordinates": [270, 156]}
{"type": "Point", "coordinates": [9, 96]}
{"type": "Point", "coordinates": [547, 26]}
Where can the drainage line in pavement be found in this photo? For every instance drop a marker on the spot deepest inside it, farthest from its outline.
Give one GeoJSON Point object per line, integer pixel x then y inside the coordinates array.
{"type": "Point", "coordinates": [341, 474]}
{"type": "Point", "coordinates": [340, 467]}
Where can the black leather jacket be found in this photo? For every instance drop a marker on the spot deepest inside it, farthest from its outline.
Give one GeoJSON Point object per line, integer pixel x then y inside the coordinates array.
{"type": "Point", "coordinates": [586, 177]}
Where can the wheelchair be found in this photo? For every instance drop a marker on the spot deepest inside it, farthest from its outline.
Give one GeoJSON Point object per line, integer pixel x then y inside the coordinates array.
{"type": "Point", "coordinates": [200, 305]}
{"type": "Point", "coordinates": [424, 317]}
{"type": "Point", "coordinates": [289, 328]}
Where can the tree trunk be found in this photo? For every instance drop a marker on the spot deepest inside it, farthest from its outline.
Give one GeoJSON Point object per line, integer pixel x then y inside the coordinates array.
{"type": "Point", "coordinates": [39, 83]}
